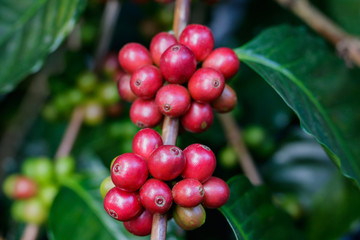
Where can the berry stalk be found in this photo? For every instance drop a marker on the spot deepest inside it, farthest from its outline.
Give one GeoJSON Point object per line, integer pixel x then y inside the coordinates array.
{"type": "Point", "coordinates": [171, 125]}
{"type": "Point", "coordinates": [235, 138]}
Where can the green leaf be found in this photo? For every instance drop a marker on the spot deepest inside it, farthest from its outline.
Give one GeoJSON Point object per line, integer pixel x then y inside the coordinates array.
{"type": "Point", "coordinates": [346, 13]}
{"type": "Point", "coordinates": [29, 31]}
{"type": "Point", "coordinates": [252, 215]}
{"type": "Point", "coordinates": [316, 85]}
{"type": "Point", "coordinates": [338, 200]}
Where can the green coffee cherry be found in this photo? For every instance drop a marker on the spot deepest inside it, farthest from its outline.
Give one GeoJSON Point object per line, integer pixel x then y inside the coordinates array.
{"type": "Point", "coordinates": [47, 194]}
{"type": "Point", "coordinates": [94, 113]}
{"type": "Point", "coordinates": [40, 169]}
{"type": "Point", "coordinates": [49, 112]}
{"type": "Point", "coordinates": [108, 93]}
{"type": "Point", "coordinates": [254, 136]}
{"type": "Point", "coordinates": [105, 186]}
{"type": "Point", "coordinates": [35, 211]}
{"type": "Point", "coordinates": [75, 97]}
{"type": "Point", "coordinates": [87, 82]}
{"type": "Point", "coordinates": [228, 158]}
{"type": "Point", "coordinates": [62, 104]}
{"type": "Point", "coordinates": [189, 218]}
{"type": "Point", "coordinates": [64, 167]}
{"type": "Point", "coordinates": [17, 210]}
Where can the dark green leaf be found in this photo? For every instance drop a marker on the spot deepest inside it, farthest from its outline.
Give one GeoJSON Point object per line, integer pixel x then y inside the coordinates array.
{"type": "Point", "coordinates": [316, 85]}
{"type": "Point", "coordinates": [29, 31]}
{"type": "Point", "coordinates": [335, 208]}
{"type": "Point", "coordinates": [252, 215]}
{"type": "Point", "coordinates": [346, 13]}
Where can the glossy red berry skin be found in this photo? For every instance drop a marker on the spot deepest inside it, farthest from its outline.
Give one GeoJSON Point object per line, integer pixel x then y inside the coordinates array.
{"type": "Point", "coordinates": [146, 81]}
{"type": "Point", "coordinates": [156, 196]}
{"type": "Point", "coordinates": [177, 64]}
{"type": "Point", "coordinates": [166, 163]}
{"type": "Point", "coordinates": [173, 100]}
{"type": "Point", "coordinates": [199, 118]}
{"type": "Point", "coordinates": [226, 102]}
{"type": "Point", "coordinates": [129, 172]}
{"type": "Point", "coordinates": [200, 162]}
{"type": "Point", "coordinates": [159, 44]}
{"type": "Point", "coordinates": [122, 205]}
{"type": "Point", "coordinates": [188, 192]}
{"type": "Point", "coordinates": [145, 113]}
{"type": "Point", "coordinates": [217, 193]}
{"type": "Point", "coordinates": [206, 85]}
{"type": "Point", "coordinates": [145, 142]}
{"type": "Point", "coordinates": [199, 39]}
{"type": "Point", "coordinates": [132, 56]}
{"type": "Point", "coordinates": [124, 89]}
{"type": "Point", "coordinates": [224, 60]}
{"type": "Point", "coordinates": [141, 225]}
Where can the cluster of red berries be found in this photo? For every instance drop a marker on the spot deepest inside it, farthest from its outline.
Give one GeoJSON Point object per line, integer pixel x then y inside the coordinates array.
{"type": "Point", "coordinates": [190, 93]}
{"type": "Point", "coordinates": [133, 198]}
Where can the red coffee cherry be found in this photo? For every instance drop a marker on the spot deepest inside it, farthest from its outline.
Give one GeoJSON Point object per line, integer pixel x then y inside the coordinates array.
{"type": "Point", "coordinates": [145, 113]}
{"type": "Point", "coordinates": [206, 85]}
{"type": "Point", "coordinates": [227, 100]}
{"type": "Point", "coordinates": [200, 162]}
{"type": "Point", "coordinates": [124, 89]}
{"type": "Point", "coordinates": [224, 60]}
{"type": "Point", "coordinates": [132, 56]}
{"type": "Point", "coordinates": [19, 187]}
{"type": "Point", "coordinates": [177, 64]}
{"type": "Point", "coordinates": [156, 196]}
{"type": "Point", "coordinates": [217, 193]}
{"type": "Point", "coordinates": [145, 81]}
{"type": "Point", "coordinates": [199, 118]}
{"type": "Point", "coordinates": [166, 163]}
{"type": "Point", "coordinates": [159, 44]}
{"type": "Point", "coordinates": [189, 218]}
{"type": "Point", "coordinates": [188, 192]}
{"type": "Point", "coordinates": [129, 172]}
{"type": "Point", "coordinates": [145, 142]}
{"type": "Point", "coordinates": [141, 225]}
{"type": "Point", "coordinates": [199, 39]}
{"type": "Point", "coordinates": [122, 205]}
{"type": "Point", "coordinates": [173, 100]}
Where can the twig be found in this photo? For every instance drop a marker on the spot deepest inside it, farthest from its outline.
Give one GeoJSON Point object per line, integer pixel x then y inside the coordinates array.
{"type": "Point", "coordinates": [347, 45]}
{"type": "Point", "coordinates": [31, 232]}
{"type": "Point", "coordinates": [181, 16]}
{"type": "Point", "coordinates": [234, 136]}
{"type": "Point", "coordinates": [71, 133]}
{"type": "Point", "coordinates": [108, 22]}
{"type": "Point", "coordinates": [171, 125]}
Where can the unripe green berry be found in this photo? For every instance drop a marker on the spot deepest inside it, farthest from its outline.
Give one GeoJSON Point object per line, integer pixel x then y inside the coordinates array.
{"type": "Point", "coordinates": [93, 113]}
{"type": "Point", "coordinates": [87, 82]}
{"type": "Point", "coordinates": [64, 167]}
{"type": "Point", "coordinates": [254, 136]}
{"type": "Point", "coordinates": [106, 186]}
{"type": "Point", "coordinates": [108, 93]}
{"type": "Point", "coordinates": [40, 169]}
{"type": "Point", "coordinates": [35, 211]}
{"type": "Point", "coordinates": [227, 157]}
{"type": "Point", "coordinates": [49, 112]}
{"type": "Point", "coordinates": [47, 194]}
